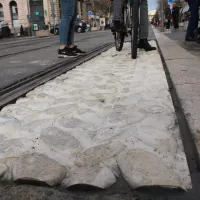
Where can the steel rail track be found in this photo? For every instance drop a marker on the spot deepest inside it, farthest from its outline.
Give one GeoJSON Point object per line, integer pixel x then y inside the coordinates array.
{"type": "Point", "coordinates": [11, 93]}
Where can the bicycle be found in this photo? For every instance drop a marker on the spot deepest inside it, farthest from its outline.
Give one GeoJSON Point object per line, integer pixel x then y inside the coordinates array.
{"type": "Point", "coordinates": [131, 19]}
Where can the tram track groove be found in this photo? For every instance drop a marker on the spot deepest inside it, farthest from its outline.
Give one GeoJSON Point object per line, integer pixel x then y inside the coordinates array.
{"type": "Point", "coordinates": [11, 93]}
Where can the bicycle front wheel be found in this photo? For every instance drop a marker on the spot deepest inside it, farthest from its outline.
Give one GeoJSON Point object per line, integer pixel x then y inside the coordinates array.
{"type": "Point", "coordinates": [134, 28]}
{"type": "Point", "coordinates": [119, 40]}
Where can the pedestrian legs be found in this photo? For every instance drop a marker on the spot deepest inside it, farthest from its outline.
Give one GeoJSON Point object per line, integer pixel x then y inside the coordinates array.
{"type": "Point", "coordinates": [70, 39]}
{"type": "Point", "coordinates": [118, 10]}
{"type": "Point", "coordinates": [68, 12]}
{"type": "Point", "coordinates": [168, 24]}
{"type": "Point", "coordinates": [193, 22]}
{"type": "Point", "coordinates": [144, 23]}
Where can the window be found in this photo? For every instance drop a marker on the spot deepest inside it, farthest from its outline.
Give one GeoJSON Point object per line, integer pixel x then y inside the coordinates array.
{"type": "Point", "coordinates": [14, 13]}
{"type": "Point", "coordinates": [1, 13]}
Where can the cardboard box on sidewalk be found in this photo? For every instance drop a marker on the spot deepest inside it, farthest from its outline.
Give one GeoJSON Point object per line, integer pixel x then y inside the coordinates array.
{"type": "Point", "coordinates": [42, 33]}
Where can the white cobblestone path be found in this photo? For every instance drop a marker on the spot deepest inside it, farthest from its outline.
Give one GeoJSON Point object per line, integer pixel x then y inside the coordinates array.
{"type": "Point", "coordinates": [109, 117]}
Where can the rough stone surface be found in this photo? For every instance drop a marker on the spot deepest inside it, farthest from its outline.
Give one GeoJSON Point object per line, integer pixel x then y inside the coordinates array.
{"type": "Point", "coordinates": [97, 154]}
{"type": "Point", "coordinates": [96, 176]}
{"type": "Point", "coordinates": [34, 167]}
{"type": "Point", "coordinates": [58, 139]}
{"type": "Point", "coordinates": [15, 147]}
{"type": "Point", "coordinates": [9, 162]}
{"type": "Point", "coordinates": [3, 169]}
{"type": "Point", "coordinates": [94, 112]}
{"type": "Point", "coordinates": [141, 168]}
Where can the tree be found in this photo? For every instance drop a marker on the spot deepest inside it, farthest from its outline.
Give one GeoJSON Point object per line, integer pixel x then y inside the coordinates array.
{"type": "Point", "coordinates": [102, 7]}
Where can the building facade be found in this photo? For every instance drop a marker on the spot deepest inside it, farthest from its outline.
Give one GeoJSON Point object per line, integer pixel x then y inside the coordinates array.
{"type": "Point", "coordinates": [27, 12]}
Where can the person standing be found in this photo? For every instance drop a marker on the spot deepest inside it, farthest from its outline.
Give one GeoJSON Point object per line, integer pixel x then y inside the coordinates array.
{"type": "Point", "coordinates": [175, 16]}
{"type": "Point", "coordinates": [193, 21]}
{"type": "Point", "coordinates": [66, 29]}
{"type": "Point", "coordinates": [21, 31]}
{"type": "Point", "coordinates": [168, 17]}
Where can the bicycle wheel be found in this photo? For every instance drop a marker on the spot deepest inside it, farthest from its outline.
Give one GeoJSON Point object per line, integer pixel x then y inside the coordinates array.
{"type": "Point", "coordinates": [134, 28]}
{"type": "Point", "coordinates": [119, 40]}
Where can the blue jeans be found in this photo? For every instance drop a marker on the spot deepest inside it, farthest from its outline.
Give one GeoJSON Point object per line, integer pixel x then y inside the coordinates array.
{"type": "Point", "coordinates": [66, 28]}
{"type": "Point", "coordinates": [193, 22]}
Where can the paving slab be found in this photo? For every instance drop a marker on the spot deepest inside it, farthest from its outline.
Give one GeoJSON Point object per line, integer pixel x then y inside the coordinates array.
{"type": "Point", "coordinates": [105, 106]}
{"type": "Point", "coordinates": [167, 47]}
{"type": "Point", "coordinates": [184, 71]}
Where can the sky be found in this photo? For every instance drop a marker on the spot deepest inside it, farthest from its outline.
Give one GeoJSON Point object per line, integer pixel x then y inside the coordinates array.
{"type": "Point", "coordinates": [152, 4]}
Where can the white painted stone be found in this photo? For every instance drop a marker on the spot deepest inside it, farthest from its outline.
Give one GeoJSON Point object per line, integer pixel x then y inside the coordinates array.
{"type": "Point", "coordinates": [59, 139]}
{"type": "Point", "coordinates": [71, 123]}
{"type": "Point", "coordinates": [9, 162]}
{"type": "Point", "coordinates": [58, 145]}
{"type": "Point", "coordinates": [141, 169]}
{"type": "Point", "coordinates": [38, 167]}
{"type": "Point", "coordinates": [108, 100]}
{"type": "Point", "coordinates": [1, 138]}
{"type": "Point", "coordinates": [3, 169]}
{"type": "Point", "coordinates": [15, 147]}
{"type": "Point", "coordinates": [97, 154]}
{"type": "Point", "coordinates": [96, 176]}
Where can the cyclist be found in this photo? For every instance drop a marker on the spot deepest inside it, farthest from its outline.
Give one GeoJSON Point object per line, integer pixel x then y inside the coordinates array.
{"type": "Point", "coordinates": [118, 22]}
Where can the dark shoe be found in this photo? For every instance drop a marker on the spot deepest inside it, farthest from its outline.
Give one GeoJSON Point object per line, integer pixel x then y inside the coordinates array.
{"type": "Point", "coordinates": [64, 53]}
{"type": "Point", "coordinates": [144, 44]}
{"type": "Point", "coordinates": [189, 39]}
{"type": "Point", "coordinates": [75, 49]}
{"type": "Point", "coordinates": [117, 26]}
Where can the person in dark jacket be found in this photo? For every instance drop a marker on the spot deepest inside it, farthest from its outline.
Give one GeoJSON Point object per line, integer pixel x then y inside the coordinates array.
{"type": "Point", "coordinates": [193, 22]}
{"type": "Point", "coordinates": [175, 16]}
{"type": "Point", "coordinates": [21, 31]}
{"type": "Point", "coordinates": [168, 16]}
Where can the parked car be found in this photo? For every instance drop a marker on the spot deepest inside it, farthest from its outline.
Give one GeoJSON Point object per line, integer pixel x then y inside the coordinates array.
{"type": "Point", "coordinates": [80, 26]}
{"type": "Point", "coordinates": [55, 30]}
{"type": "Point", "coordinates": [4, 30]}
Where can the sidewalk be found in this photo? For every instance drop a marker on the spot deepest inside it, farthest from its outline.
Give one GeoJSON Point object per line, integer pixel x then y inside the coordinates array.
{"type": "Point", "coordinates": [179, 38]}
{"type": "Point", "coordinates": [183, 66]}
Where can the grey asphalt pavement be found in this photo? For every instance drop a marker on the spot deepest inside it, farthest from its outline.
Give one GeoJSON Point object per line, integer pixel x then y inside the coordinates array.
{"type": "Point", "coordinates": [22, 58]}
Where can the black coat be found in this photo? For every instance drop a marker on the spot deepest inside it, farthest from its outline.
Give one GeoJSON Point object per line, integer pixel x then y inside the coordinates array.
{"type": "Point", "coordinates": [168, 13]}
{"type": "Point", "coordinates": [175, 13]}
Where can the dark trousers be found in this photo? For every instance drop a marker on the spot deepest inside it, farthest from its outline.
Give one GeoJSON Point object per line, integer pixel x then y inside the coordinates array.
{"type": "Point", "coordinates": [193, 22]}
{"type": "Point", "coordinates": [175, 22]}
{"type": "Point", "coordinates": [69, 14]}
{"type": "Point", "coordinates": [168, 24]}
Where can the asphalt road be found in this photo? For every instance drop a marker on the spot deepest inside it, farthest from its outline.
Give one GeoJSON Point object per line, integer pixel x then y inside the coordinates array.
{"type": "Point", "coordinates": [21, 58]}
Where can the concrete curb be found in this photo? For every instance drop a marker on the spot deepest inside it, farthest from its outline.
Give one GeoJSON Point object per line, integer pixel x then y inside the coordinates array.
{"type": "Point", "coordinates": [183, 70]}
